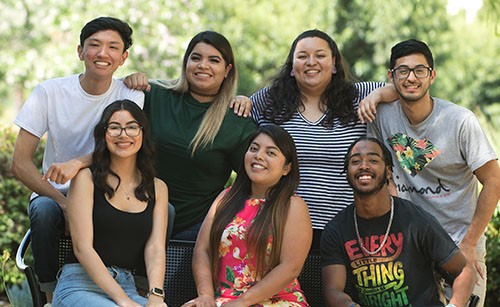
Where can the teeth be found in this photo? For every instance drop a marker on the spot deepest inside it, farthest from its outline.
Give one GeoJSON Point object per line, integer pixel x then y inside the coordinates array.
{"type": "Point", "coordinates": [312, 71]}
{"type": "Point", "coordinates": [365, 177]}
{"type": "Point", "coordinates": [102, 63]}
{"type": "Point", "coordinates": [255, 165]}
{"type": "Point", "coordinates": [202, 75]}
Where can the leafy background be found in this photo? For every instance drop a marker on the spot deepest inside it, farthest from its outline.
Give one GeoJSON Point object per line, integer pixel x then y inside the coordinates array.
{"type": "Point", "coordinates": [38, 40]}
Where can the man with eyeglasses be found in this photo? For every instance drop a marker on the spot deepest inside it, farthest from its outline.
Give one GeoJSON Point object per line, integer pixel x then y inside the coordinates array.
{"type": "Point", "coordinates": [67, 110]}
{"type": "Point", "coordinates": [442, 153]}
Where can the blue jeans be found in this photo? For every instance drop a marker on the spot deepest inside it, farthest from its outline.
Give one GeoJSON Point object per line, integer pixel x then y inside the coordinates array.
{"type": "Point", "coordinates": [76, 288]}
{"type": "Point", "coordinates": [188, 234]}
{"type": "Point", "coordinates": [47, 227]}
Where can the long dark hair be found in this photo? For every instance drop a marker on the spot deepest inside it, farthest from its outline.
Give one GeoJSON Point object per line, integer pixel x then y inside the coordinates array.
{"type": "Point", "coordinates": [101, 156]}
{"type": "Point", "coordinates": [271, 219]}
{"type": "Point", "coordinates": [213, 118]}
{"type": "Point", "coordinates": [338, 96]}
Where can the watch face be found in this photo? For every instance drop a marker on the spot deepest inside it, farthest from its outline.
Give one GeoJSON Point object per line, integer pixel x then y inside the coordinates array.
{"type": "Point", "coordinates": [157, 291]}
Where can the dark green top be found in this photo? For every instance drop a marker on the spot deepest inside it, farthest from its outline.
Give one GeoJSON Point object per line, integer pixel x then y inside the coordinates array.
{"type": "Point", "coordinates": [193, 182]}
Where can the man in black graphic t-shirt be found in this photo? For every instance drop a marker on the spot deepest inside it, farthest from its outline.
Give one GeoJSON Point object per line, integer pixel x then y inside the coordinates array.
{"type": "Point", "coordinates": [383, 250]}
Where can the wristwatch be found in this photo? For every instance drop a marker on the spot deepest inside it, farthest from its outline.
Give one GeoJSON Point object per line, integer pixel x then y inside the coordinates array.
{"type": "Point", "coordinates": [157, 291]}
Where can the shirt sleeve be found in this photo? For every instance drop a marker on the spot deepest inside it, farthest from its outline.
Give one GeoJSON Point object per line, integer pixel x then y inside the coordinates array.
{"type": "Point", "coordinates": [238, 152]}
{"type": "Point", "coordinates": [331, 246]}
{"type": "Point", "coordinates": [33, 116]}
{"type": "Point", "coordinates": [474, 144]}
{"type": "Point", "coordinates": [437, 242]}
{"type": "Point", "coordinates": [260, 100]}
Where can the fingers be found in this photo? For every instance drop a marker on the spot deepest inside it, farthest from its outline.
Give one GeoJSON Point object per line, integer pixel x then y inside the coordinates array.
{"type": "Point", "coordinates": [366, 112]}
{"type": "Point", "coordinates": [241, 105]}
{"type": "Point", "coordinates": [137, 81]}
{"type": "Point", "coordinates": [479, 270]}
{"type": "Point", "coordinates": [55, 174]}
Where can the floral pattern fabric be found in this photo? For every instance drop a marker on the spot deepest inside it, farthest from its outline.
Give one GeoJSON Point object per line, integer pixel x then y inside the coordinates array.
{"type": "Point", "coordinates": [413, 155]}
{"type": "Point", "coordinates": [237, 270]}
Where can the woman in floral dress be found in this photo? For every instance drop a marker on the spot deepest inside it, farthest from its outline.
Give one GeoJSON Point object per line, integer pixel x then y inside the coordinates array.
{"type": "Point", "coordinates": [254, 241]}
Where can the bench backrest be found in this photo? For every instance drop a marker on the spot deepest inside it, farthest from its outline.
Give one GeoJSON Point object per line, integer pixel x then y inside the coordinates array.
{"type": "Point", "coordinates": [180, 287]}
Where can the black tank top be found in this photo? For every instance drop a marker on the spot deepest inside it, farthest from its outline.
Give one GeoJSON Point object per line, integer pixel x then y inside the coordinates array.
{"type": "Point", "coordinates": [119, 236]}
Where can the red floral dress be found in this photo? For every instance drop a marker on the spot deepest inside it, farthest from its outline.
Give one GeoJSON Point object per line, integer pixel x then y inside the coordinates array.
{"type": "Point", "coordinates": [237, 271]}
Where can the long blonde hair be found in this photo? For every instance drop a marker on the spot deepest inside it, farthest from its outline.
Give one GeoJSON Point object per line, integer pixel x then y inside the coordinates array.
{"type": "Point", "coordinates": [213, 118]}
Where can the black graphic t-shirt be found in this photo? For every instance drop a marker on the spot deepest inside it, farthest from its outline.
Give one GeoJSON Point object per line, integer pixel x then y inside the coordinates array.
{"type": "Point", "coordinates": [402, 272]}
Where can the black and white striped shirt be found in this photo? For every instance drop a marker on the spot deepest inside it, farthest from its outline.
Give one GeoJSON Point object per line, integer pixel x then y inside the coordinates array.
{"type": "Point", "coordinates": [321, 151]}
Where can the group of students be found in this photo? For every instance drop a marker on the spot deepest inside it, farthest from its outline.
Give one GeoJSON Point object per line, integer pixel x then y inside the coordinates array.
{"type": "Point", "coordinates": [302, 159]}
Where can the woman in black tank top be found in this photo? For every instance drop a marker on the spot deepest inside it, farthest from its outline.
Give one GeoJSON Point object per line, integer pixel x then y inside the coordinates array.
{"type": "Point", "coordinates": [118, 216]}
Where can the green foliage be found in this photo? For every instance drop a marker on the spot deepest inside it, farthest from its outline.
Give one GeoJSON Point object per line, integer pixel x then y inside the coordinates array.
{"type": "Point", "coordinates": [14, 197]}
{"type": "Point", "coordinates": [39, 38]}
{"type": "Point", "coordinates": [493, 261]}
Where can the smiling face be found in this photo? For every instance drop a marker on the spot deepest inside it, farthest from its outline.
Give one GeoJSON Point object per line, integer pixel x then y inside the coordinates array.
{"type": "Point", "coordinates": [412, 89]}
{"type": "Point", "coordinates": [265, 164]}
{"type": "Point", "coordinates": [206, 70]}
{"type": "Point", "coordinates": [367, 173]}
{"type": "Point", "coordinates": [123, 145]}
{"type": "Point", "coordinates": [102, 52]}
{"type": "Point", "coordinates": [312, 64]}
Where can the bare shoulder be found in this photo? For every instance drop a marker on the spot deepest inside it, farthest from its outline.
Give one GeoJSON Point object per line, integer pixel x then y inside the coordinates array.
{"type": "Point", "coordinates": [161, 189]}
{"type": "Point", "coordinates": [84, 175]}
{"type": "Point", "coordinates": [160, 184]}
{"type": "Point", "coordinates": [298, 203]}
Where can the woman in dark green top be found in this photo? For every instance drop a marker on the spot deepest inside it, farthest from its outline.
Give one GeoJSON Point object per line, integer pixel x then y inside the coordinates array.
{"type": "Point", "coordinates": [198, 141]}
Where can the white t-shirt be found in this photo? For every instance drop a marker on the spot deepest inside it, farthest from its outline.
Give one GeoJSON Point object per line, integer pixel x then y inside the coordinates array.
{"type": "Point", "coordinates": [435, 160]}
{"type": "Point", "coordinates": [62, 109]}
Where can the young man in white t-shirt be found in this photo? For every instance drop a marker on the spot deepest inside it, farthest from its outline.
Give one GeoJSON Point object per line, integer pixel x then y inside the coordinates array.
{"type": "Point", "coordinates": [67, 109]}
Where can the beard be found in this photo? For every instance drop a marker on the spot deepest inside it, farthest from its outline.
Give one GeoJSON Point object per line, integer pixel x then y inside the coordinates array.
{"type": "Point", "coordinates": [379, 185]}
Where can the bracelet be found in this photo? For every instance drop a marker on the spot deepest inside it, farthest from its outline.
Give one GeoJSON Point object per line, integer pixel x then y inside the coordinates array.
{"type": "Point", "coordinates": [353, 304]}
{"type": "Point", "coordinates": [450, 305]}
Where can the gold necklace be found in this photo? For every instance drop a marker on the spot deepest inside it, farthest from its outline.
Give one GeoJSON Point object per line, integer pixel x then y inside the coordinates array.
{"type": "Point", "coordinates": [385, 236]}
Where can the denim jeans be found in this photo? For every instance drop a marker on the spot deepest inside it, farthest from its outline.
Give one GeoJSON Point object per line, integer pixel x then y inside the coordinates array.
{"type": "Point", "coordinates": [188, 234]}
{"type": "Point", "coordinates": [76, 288]}
{"type": "Point", "coordinates": [47, 226]}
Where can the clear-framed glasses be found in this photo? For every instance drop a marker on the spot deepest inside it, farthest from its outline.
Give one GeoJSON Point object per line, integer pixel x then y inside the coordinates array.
{"type": "Point", "coordinates": [130, 130]}
{"type": "Point", "coordinates": [403, 72]}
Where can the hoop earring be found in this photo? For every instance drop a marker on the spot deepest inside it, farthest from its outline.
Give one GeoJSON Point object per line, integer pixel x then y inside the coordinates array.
{"type": "Point", "coordinates": [292, 73]}
{"type": "Point", "coordinates": [334, 70]}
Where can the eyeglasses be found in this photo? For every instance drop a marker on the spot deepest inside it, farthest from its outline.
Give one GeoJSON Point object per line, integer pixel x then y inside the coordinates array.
{"type": "Point", "coordinates": [404, 72]}
{"type": "Point", "coordinates": [130, 130]}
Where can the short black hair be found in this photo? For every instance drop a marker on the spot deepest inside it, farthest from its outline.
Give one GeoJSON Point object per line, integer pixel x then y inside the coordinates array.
{"type": "Point", "coordinates": [408, 47]}
{"type": "Point", "coordinates": [108, 23]}
{"type": "Point", "coordinates": [386, 154]}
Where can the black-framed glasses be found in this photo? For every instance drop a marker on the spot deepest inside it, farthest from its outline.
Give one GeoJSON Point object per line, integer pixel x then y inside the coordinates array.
{"type": "Point", "coordinates": [403, 72]}
{"type": "Point", "coordinates": [130, 130]}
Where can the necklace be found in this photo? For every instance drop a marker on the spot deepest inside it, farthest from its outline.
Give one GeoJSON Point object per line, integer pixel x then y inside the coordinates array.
{"type": "Point", "coordinates": [203, 95]}
{"type": "Point", "coordinates": [385, 236]}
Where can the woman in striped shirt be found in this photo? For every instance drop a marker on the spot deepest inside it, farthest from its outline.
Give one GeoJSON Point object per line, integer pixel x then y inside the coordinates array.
{"type": "Point", "coordinates": [314, 99]}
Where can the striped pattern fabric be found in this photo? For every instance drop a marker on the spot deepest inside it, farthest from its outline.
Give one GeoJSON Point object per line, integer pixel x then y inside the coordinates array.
{"type": "Point", "coordinates": [321, 153]}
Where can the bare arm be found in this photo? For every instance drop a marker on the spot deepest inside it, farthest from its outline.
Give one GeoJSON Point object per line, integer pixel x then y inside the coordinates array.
{"type": "Point", "coordinates": [80, 208]}
{"type": "Point", "coordinates": [334, 282]}
{"type": "Point", "coordinates": [368, 106]}
{"type": "Point", "coordinates": [26, 171]}
{"type": "Point", "coordinates": [463, 273]}
{"type": "Point", "coordinates": [295, 247]}
{"type": "Point", "coordinates": [489, 176]}
{"type": "Point", "coordinates": [154, 253]}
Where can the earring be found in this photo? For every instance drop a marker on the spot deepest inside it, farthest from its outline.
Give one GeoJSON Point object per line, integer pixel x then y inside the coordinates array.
{"type": "Point", "coordinates": [292, 73]}
{"type": "Point", "coordinates": [334, 70]}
